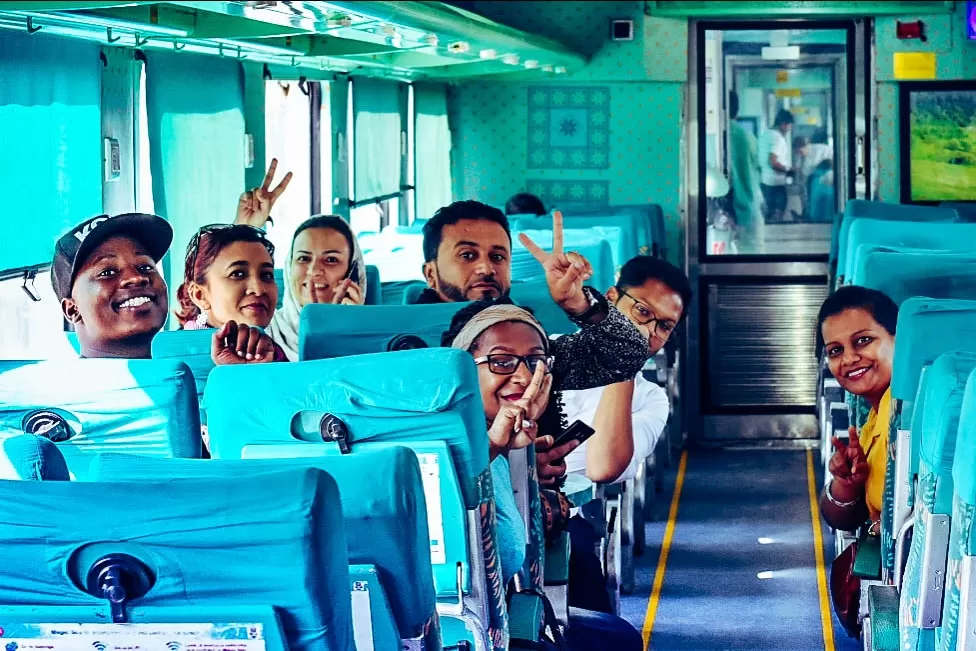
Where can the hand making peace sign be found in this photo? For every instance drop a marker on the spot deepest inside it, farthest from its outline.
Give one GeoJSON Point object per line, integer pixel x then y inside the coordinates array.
{"type": "Point", "coordinates": [254, 206]}
{"type": "Point", "coordinates": [565, 272]}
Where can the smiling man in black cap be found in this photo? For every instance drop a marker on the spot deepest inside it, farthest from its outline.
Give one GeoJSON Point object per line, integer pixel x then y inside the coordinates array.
{"type": "Point", "coordinates": [105, 275]}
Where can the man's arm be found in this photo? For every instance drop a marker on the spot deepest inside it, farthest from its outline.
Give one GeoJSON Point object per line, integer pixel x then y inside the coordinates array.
{"type": "Point", "coordinates": [604, 351]}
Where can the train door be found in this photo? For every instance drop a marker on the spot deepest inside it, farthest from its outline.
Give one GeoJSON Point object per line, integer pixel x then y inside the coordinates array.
{"type": "Point", "coordinates": [775, 153]}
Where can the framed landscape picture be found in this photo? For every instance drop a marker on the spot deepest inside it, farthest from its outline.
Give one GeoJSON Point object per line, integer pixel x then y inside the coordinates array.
{"type": "Point", "coordinates": [938, 141]}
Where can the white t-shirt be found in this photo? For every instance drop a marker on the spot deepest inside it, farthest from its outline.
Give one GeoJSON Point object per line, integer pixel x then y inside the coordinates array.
{"type": "Point", "coordinates": [773, 142]}
{"type": "Point", "coordinates": [650, 412]}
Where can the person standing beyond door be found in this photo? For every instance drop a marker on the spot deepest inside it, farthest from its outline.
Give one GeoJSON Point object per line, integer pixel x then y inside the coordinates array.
{"type": "Point", "coordinates": [774, 157]}
{"type": "Point", "coordinates": [744, 174]}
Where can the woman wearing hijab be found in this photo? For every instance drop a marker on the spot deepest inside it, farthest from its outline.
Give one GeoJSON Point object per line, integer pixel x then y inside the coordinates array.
{"type": "Point", "coordinates": [324, 263]}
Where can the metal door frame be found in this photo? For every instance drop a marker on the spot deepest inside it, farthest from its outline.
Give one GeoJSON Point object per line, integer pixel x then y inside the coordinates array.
{"type": "Point", "coordinates": [857, 164]}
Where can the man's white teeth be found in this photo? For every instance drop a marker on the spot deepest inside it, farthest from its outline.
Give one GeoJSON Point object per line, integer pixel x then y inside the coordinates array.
{"type": "Point", "coordinates": [137, 301]}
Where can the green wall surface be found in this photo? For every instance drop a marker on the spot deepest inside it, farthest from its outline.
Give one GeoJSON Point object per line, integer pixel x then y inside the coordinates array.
{"type": "Point", "coordinates": [512, 136]}
{"type": "Point", "coordinates": [956, 59]}
{"type": "Point", "coordinates": [609, 134]}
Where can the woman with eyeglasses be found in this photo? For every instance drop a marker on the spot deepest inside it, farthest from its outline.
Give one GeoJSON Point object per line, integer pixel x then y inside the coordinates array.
{"type": "Point", "coordinates": [511, 349]}
{"type": "Point", "coordinates": [230, 286]}
{"type": "Point", "coordinates": [324, 264]}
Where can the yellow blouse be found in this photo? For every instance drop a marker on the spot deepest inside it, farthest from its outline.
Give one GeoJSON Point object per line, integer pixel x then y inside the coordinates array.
{"type": "Point", "coordinates": [874, 442]}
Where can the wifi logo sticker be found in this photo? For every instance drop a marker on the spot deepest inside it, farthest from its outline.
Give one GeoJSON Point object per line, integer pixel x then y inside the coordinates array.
{"type": "Point", "coordinates": [98, 646]}
{"type": "Point", "coordinates": [173, 646]}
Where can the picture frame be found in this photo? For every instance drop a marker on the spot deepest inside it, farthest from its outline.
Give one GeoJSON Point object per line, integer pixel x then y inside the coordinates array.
{"type": "Point", "coordinates": [937, 141]}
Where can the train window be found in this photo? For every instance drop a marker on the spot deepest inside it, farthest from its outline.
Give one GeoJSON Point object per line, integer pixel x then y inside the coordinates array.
{"type": "Point", "coordinates": [287, 120]}
{"type": "Point", "coordinates": [776, 114]}
{"type": "Point", "coordinates": [31, 329]}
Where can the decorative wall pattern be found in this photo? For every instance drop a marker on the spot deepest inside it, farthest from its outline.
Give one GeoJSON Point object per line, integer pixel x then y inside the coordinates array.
{"type": "Point", "coordinates": [553, 192]}
{"type": "Point", "coordinates": [491, 157]}
{"type": "Point", "coordinates": [568, 127]}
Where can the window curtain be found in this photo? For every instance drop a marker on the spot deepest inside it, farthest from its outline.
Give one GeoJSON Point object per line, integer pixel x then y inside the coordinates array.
{"type": "Point", "coordinates": [432, 138]}
{"type": "Point", "coordinates": [339, 110]}
{"type": "Point", "coordinates": [50, 137]}
{"type": "Point", "coordinates": [377, 149]}
{"type": "Point", "coordinates": [195, 106]}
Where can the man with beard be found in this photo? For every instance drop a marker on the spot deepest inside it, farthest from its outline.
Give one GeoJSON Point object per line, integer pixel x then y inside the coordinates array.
{"type": "Point", "coordinates": [468, 257]}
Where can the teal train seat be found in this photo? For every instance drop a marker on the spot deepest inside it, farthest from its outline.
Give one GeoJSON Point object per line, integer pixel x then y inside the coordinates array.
{"type": "Point", "coordinates": [526, 268]}
{"type": "Point", "coordinates": [386, 530]}
{"type": "Point", "coordinates": [270, 555]}
{"type": "Point", "coordinates": [856, 209]}
{"type": "Point", "coordinates": [374, 286]}
{"type": "Point", "coordinates": [326, 331]}
{"type": "Point", "coordinates": [934, 428]}
{"type": "Point", "coordinates": [191, 347]}
{"type": "Point", "coordinates": [428, 400]}
{"type": "Point", "coordinates": [33, 458]}
{"type": "Point", "coordinates": [620, 231]}
{"type": "Point", "coordinates": [535, 297]}
{"type": "Point", "coordinates": [146, 407]}
{"type": "Point", "coordinates": [649, 219]}
{"type": "Point", "coordinates": [927, 328]}
{"type": "Point", "coordinates": [902, 273]}
{"type": "Point", "coordinates": [958, 621]}
{"type": "Point", "coordinates": [915, 235]}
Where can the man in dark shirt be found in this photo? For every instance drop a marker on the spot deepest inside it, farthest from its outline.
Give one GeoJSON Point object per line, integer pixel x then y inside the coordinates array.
{"type": "Point", "coordinates": [468, 256]}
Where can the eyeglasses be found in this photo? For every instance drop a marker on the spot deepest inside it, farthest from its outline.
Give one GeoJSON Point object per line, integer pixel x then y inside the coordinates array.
{"type": "Point", "coordinates": [508, 364]}
{"type": "Point", "coordinates": [256, 234]}
{"type": "Point", "coordinates": [644, 316]}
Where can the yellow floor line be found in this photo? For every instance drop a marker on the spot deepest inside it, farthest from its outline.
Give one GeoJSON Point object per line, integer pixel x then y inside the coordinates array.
{"type": "Point", "coordinates": [826, 618]}
{"type": "Point", "coordinates": [662, 561]}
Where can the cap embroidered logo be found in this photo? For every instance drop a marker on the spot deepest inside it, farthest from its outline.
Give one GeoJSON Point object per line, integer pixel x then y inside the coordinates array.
{"type": "Point", "coordinates": [84, 231]}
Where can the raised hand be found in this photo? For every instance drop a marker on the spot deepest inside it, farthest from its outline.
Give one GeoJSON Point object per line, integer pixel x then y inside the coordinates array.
{"type": "Point", "coordinates": [254, 206]}
{"type": "Point", "coordinates": [849, 466]}
{"type": "Point", "coordinates": [347, 293]}
{"type": "Point", "coordinates": [565, 273]}
{"type": "Point", "coordinates": [550, 462]}
{"type": "Point", "coordinates": [237, 343]}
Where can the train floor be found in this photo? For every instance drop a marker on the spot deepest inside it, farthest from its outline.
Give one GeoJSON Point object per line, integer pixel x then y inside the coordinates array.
{"type": "Point", "coordinates": [731, 563]}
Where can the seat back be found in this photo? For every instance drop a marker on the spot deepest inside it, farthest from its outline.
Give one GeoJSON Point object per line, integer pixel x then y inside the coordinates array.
{"type": "Point", "coordinates": [526, 268]}
{"type": "Point", "coordinates": [651, 235]}
{"type": "Point", "coordinates": [327, 331]}
{"type": "Point", "coordinates": [385, 521]}
{"type": "Point", "coordinates": [33, 458]}
{"type": "Point", "coordinates": [902, 273]}
{"type": "Point", "coordinates": [962, 541]}
{"type": "Point", "coordinates": [191, 347]}
{"type": "Point", "coordinates": [858, 208]}
{"type": "Point", "coordinates": [206, 548]}
{"type": "Point", "coordinates": [620, 231]}
{"type": "Point", "coordinates": [416, 398]}
{"type": "Point", "coordinates": [374, 286]}
{"type": "Point", "coordinates": [86, 406]}
{"type": "Point", "coordinates": [934, 430]}
{"type": "Point", "coordinates": [949, 236]}
{"type": "Point", "coordinates": [535, 297]}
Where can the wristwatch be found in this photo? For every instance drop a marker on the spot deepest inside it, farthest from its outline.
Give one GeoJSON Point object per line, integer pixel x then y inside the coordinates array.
{"type": "Point", "coordinates": [598, 305]}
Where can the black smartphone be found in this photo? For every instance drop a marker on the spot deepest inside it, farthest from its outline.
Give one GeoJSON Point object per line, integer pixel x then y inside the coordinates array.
{"type": "Point", "coordinates": [353, 273]}
{"type": "Point", "coordinates": [577, 430]}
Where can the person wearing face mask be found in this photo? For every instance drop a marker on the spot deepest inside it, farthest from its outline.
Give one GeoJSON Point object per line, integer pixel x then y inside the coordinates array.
{"type": "Point", "coordinates": [324, 264]}
{"type": "Point", "coordinates": [515, 374]}
{"type": "Point", "coordinates": [230, 285]}
{"type": "Point", "coordinates": [104, 273]}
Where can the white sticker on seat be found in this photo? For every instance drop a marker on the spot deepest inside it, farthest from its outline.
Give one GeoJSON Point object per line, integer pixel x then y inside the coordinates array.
{"type": "Point", "coordinates": [362, 616]}
{"type": "Point", "coordinates": [430, 471]}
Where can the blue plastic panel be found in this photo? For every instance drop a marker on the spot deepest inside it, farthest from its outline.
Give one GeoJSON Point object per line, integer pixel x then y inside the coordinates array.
{"type": "Point", "coordinates": [927, 328]}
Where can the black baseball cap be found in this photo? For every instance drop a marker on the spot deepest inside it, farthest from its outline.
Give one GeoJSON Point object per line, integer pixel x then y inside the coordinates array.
{"type": "Point", "coordinates": [74, 247]}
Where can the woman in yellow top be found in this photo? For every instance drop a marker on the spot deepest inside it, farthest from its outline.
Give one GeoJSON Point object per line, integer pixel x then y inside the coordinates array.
{"type": "Point", "coordinates": [857, 333]}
